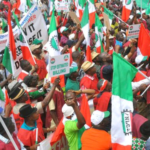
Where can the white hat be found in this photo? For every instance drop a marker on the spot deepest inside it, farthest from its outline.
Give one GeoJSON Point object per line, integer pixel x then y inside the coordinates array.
{"type": "Point", "coordinates": [63, 28]}
{"type": "Point", "coordinates": [71, 36]}
{"type": "Point", "coordinates": [67, 110]}
{"type": "Point", "coordinates": [138, 12]}
{"type": "Point", "coordinates": [98, 116]}
{"type": "Point", "coordinates": [131, 16]}
{"type": "Point", "coordinates": [140, 58]}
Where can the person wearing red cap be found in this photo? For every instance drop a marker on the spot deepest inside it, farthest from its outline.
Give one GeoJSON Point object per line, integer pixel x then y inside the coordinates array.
{"type": "Point", "coordinates": [102, 101]}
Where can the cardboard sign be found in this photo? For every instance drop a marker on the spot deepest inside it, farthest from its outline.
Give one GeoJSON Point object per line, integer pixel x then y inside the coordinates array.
{"type": "Point", "coordinates": [59, 65]}
{"type": "Point", "coordinates": [134, 31]}
{"type": "Point", "coordinates": [74, 17]}
{"type": "Point", "coordinates": [59, 6]}
{"type": "Point", "coordinates": [106, 21]}
{"type": "Point", "coordinates": [98, 5]}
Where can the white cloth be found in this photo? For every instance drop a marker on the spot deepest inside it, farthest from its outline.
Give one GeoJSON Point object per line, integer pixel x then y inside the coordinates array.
{"type": "Point", "coordinates": [137, 84]}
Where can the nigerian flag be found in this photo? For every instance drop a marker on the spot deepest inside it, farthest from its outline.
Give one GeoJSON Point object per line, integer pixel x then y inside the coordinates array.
{"type": "Point", "coordinates": [2, 101]}
{"type": "Point", "coordinates": [4, 24]}
{"type": "Point", "coordinates": [98, 35]}
{"type": "Point", "coordinates": [142, 3]}
{"type": "Point", "coordinates": [109, 14]}
{"type": "Point", "coordinates": [53, 46]}
{"type": "Point", "coordinates": [122, 103]}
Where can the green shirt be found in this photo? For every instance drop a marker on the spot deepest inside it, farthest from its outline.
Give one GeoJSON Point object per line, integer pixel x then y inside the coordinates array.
{"type": "Point", "coordinates": [72, 85]}
{"type": "Point", "coordinates": [73, 134]}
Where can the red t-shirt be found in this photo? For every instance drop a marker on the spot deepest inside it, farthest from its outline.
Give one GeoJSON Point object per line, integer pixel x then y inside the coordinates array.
{"type": "Point", "coordinates": [9, 146]}
{"type": "Point", "coordinates": [42, 72]}
{"type": "Point", "coordinates": [7, 3]}
{"type": "Point", "coordinates": [88, 82]}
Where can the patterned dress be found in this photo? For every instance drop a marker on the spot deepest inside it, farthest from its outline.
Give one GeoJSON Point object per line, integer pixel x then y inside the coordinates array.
{"type": "Point", "coordinates": [138, 144]}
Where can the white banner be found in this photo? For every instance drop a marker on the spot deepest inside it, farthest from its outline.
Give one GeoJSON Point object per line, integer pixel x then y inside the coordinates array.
{"type": "Point", "coordinates": [59, 145]}
{"type": "Point", "coordinates": [34, 26]}
{"type": "Point", "coordinates": [62, 5]}
{"type": "Point", "coordinates": [59, 65]}
{"type": "Point", "coordinates": [134, 31]}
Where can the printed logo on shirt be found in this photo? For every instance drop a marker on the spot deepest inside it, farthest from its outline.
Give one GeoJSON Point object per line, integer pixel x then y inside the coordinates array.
{"type": "Point", "coordinates": [52, 60]}
{"type": "Point", "coordinates": [54, 43]}
{"type": "Point", "coordinates": [66, 58]}
{"type": "Point", "coordinates": [128, 2]}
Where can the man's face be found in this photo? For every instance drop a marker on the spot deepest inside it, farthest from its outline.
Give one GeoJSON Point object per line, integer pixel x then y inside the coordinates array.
{"type": "Point", "coordinates": [121, 38]}
{"type": "Point", "coordinates": [70, 96]}
{"type": "Point", "coordinates": [39, 50]}
{"type": "Point", "coordinates": [35, 116]}
{"type": "Point", "coordinates": [24, 97]}
{"type": "Point", "coordinates": [111, 41]}
{"type": "Point", "coordinates": [107, 57]}
{"type": "Point", "coordinates": [34, 81]}
{"type": "Point", "coordinates": [28, 66]}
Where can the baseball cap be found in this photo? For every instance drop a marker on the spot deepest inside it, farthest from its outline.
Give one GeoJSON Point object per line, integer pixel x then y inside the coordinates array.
{"type": "Point", "coordinates": [98, 116]}
{"type": "Point", "coordinates": [140, 58]}
{"type": "Point", "coordinates": [63, 28]}
{"type": "Point", "coordinates": [67, 110]}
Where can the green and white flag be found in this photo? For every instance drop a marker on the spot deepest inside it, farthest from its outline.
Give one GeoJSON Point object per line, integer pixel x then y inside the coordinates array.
{"type": "Point", "coordinates": [8, 61]}
{"type": "Point", "coordinates": [142, 3]}
{"type": "Point", "coordinates": [122, 103]}
{"type": "Point", "coordinates": [2, 101]}
{"type": "Point", "coordinates": [4, 24]}
{"type": "Point", "coordinates": [109, 14]}
{"type": "Point", "coordinates": [98, 35]}
{"type": "Point", "coordinates": [53, 45]}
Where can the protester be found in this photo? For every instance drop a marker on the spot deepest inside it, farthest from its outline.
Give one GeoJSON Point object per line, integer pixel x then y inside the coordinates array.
{"type": "Point", "coordinates": [105, 49]}
{"type": "Point", "coordinates": [96, 137]}
{"type": "Point", "coordinates": [103, 100]}
{"type": "Point", "coordinates": [5, 142]}
{"type": "Point", "coordinates": [73, 128]}
{"type": "Point", "coordinates": [26, 68]}
{"type": "Point", "coordinates": [90, 80]}
{"type": "Point", "coordinates": [40, 67]}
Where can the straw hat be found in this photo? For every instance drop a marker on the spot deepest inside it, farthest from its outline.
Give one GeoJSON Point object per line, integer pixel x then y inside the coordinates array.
{"type": "Point", "coordinates": [94, 54]}
{"type": "Point", "coordinates": [87, 65]}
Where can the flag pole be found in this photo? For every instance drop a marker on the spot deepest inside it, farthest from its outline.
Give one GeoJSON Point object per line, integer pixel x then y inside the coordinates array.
{"type": "Point", "coordinates": [141, 8]}
{"type": "Point", "coordinates": [8, 133]}
{"type": "Point", "coordinates": [145, 77]}
{"type": "Point", "coordinates": [145, 90]}
{"type": "Point", "coordinates": [121, 20]}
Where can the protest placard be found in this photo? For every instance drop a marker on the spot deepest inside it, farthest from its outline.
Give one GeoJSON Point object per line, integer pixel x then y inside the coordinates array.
{"type": "Point", "coordinates": [62, 5]}
{"type": "Point", "coordinates": [74, 17]}
{"type": "Point", "coordinates": [134, 31]}
{"type": "Point", "coordinates": [59, 65]}
{"type": "Point", "coordinates": [33, 26]}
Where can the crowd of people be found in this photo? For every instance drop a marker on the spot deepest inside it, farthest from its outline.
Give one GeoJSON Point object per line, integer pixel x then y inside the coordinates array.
{"type": "Point", "coordinates": [34, 107]}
